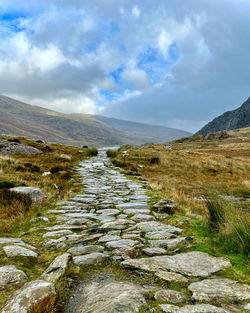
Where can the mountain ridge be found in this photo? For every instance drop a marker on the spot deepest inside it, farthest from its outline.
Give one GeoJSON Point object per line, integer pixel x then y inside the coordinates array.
{"type": "Point", "coordinates": [234, 119]}
{"type": "Point", "coordinates": [19, 118]}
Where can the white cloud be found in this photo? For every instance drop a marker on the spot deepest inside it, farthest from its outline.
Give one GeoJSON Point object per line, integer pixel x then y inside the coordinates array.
{"type": "Point", "coordinates": [136, 11]}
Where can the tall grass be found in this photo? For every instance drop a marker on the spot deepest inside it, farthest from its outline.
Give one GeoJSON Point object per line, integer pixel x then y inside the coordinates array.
{"type": "Point", "coordinates": [228, 224]}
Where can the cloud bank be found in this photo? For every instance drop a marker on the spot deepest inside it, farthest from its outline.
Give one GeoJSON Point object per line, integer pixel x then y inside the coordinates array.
{"type": "Point", "coordinates": [173, 63]}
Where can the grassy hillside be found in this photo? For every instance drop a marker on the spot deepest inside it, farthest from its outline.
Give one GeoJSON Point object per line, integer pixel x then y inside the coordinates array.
{"type": "Point", "coordinates": [18, 118]}
{"type": "Point", "coordinates": [208, 178]}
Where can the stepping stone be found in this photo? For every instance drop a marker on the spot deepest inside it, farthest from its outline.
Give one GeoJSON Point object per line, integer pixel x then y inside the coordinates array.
{"type": "Point", "coordinates": [197, 308]}
{"type": "Point", "coordinates": [142, 218]}
{"type": "Point", "coordinates": [159, 235]}
{"type": "Point", "coordinates": [81, 250]}
{"type": "Point", "coordinates": [171, 277]}
{"type": "Point", "coordinates": [122, 243]}
{"type": "Point", "coordinates": [108, 238]}
{"type": "Point", "coordinates": [13, 251]}
{"type": "Point", "coordinates": [77, 221]}
{"type": "Point", "coordinates": [67, 227]}
{"type": "Point", "coordinates": [132, 205]}
{"type": "Point", "coordinates": [197, 264]}
{"type": "Point", "coordinates": [169, 243]}
{"type": "Point", "coordinates": [136, 211]}
{"type": "Point", "coordinates": [112, 297]}
{"type": "Point", "coordinates": [90, 259]}
{"type": "Point", "coordinates": [108, 212]}
{"type": "Point", "coordinates": [58, 233]}
{"type": "Point", "coordinates": [35, 293]}
{"type": "Point", "coordinates": [220, 290]}
{"type": "Point", "coordinates": [57, 268]}
{"type": "Point", "coordinates": [157, 227]}
{"type": "Point", "coordinates": [168, 295]}
{"type": "Point", "coordinates": [154, 251]}
{"type": "Point", "coordinates": [10, 275]}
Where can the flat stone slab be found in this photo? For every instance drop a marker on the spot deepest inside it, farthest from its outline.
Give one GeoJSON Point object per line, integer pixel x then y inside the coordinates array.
{"type": "Point", "coordinates": [108, 212]}
{"type": "Point", "coordinates": [169, 295]}
{"type": "Point", "coordinates": [10, 275]}
{"type": "Point", "coordinates": [90, 259]}
{"type": "Point", "coordinates": [142, 218]}
{"type": "Point", "coordinates": [168, 243]}
{"type": "Point", "coordinates": [112, 297]}
{"type": "Point", "coordinates": [159, 235]}
{"type": "Point", "coordinates": [122, 243]}
{"type": "Point", "coordinates": [154, 251]}
{"type": "Point", "coordinates": [108, 238]}
{"type": "Point", "coordinates": [132, 205]}
{"type": "Point", "coordinates": [136, 211]}
{"type": "Point", "coordinates": [15, 241]}
{"type": "Point", "coordinates": [58, 233]}
{"type": "Point", "coordinates": [219, 290]}
{"type": "Point", "coordinates": [57, 268]}
{"type": "Point", "coordinates": [171, 277]}
{"type": "Point", "coordinates": [157, 227]}
{"type": "Point", "coordinates": [13, 251]}
{"type": "Point", "coordinates": [197, 308]}
{"type": "Point", "coordinates": [195, 263]}
{"type": "Point", "coordinates": [81, 250]}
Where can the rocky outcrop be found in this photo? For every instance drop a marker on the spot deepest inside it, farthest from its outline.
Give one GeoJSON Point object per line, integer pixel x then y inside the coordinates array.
{"type": "Point", "coordinates": [235, 119]}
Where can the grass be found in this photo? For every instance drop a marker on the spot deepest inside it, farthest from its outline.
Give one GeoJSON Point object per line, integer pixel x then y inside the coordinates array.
{"type": "Point", "coordinates": [27, 170]}
{"type": "Point", "coordinates": [193, 169]}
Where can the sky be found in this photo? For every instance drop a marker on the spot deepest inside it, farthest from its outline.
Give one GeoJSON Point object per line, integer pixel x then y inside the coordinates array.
{"type": "Point", "coordinates": [174, 63]}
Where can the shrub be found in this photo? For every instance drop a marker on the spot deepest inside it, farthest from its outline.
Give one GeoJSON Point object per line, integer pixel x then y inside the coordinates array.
{"type": "Point", "coordinates": [14, 140]}
{"type": "Point", "coordinates": [91, 152]}
{"type": "Point", "coordinates": [57, 169]}
{"type": "Point", "coordinates": [112, 153]}
{"type": "Point", "coordinates": [6, 184]}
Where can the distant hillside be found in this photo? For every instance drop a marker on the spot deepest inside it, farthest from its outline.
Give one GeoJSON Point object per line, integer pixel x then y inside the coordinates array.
{"type": "Point", "coordinates": [18, 118]}
{"type": "Point", "coordinates": [235, 119]}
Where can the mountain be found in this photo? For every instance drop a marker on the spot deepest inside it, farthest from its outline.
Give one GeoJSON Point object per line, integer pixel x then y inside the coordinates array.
{"type": "Point", "coordinates": [235, 119]}
{"type": "Point", "coordinates": [19, 118]}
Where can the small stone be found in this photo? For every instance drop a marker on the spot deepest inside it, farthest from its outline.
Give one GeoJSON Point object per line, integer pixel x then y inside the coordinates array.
{"type": "Point", "coordinates": [81, 250]}
{"type": "Point", "coordinates": [57, 268]}
{"type": "Point", "coordinates": [122, 243]}
{"type": "Point", "coordinates": [13, 251]}
{"type": "Point", "coordinates": [10, 275]}
{"type": "Point", "coordinates": [171, 296]}
{"type": "Point", "coordinates": [36, 293]}
{"type": "Point", "coordinates": [154, 251]}
{"type": "Point", "coordinates": [164, 205]}
{"type": "Point", "coordinates": [108, 238]}
{"type": "Point", "coordinates": [142, 218]}
{"type": "Point", "coordinates": [90, 259]}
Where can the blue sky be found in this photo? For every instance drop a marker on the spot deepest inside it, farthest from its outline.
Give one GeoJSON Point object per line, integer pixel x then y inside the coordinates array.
{"type": "Point", "coordinates": [173, 63]}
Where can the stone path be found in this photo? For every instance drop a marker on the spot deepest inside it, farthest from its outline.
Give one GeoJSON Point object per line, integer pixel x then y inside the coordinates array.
{"type": "Point", "coordinates": [111, 221]}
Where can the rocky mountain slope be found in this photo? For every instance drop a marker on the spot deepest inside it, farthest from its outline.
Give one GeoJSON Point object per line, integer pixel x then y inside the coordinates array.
{"type": "Point", "coordinates": [235, 119]}
{"type": "Point", "coordinates": [18, 118]}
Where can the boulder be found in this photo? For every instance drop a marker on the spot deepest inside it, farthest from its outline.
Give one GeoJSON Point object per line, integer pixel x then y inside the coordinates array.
{"type": "Point", "coordinates": [220, 290]}
{"type": "Point", "coordinates": [57, 268]}
{"type": "Point", "coordinates": [9, 148]}
{"type": "Point", "coordinates": [164, 205]}
{"type": "Point", "coordinates": [31, 294]}
{"type": "Point", "coordinates": [10, 275]}
{"type": "Point", "coordinates": [35, 194]}
{"type": "Point", "coordinates": [112, 297]}
{"type": "Point", "coordinates": [13, 251]}
{"type": "Point", "coordinates": [195, 263]}
{"type": "Point", "coordinates": [197, 308]}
